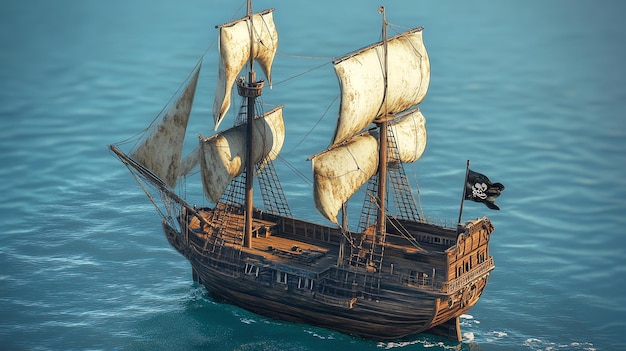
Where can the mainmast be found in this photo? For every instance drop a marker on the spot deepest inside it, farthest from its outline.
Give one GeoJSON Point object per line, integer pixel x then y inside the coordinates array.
{"type": "Point", "coordinates": [382, 151]}
{"type": "Point", "coordinates": [250, 90]}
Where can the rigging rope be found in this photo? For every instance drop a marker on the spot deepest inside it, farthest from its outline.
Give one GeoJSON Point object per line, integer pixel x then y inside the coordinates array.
{"type": "Point", "coordinates": [145, 190]}
{"type": "Point", "coordinates": [294, 170]}
{"type": "Point", "coordinates": [303, 73]}
{"type": "Point", "coordinates": [396, 224]}
{"type": "Point", "coordinates": [314, 126]}
{"type": "Point", "coordinates": [136, 136]}
{"type": "Point", "coordinates": [326, 58]}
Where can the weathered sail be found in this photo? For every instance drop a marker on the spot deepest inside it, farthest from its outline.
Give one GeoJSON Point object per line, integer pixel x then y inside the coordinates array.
{"type": "Point", "coordinates": [162, 149]}
{"type": "Point", "coordinates": [363, 93]}
{"type": "Point", "coordinates": [189, 162]}
{"type": "Point", "coordinates": [236, 47]}
{"type": "Point", "coordinates": [409, 131]}
{"type": "Point", "coordinates": [342, 170]}
{"type": "Point", "coordinates": [223, 156]}
{"type": "Point", "coordinates": [338, 173]}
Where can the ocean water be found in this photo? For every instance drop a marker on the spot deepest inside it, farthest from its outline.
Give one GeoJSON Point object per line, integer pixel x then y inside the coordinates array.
{"type": "Point", "coordinates": [532, 92]}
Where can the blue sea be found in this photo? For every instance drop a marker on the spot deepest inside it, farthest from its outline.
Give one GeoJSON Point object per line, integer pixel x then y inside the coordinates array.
{"type": "Point", "coordinates": [532, 92]}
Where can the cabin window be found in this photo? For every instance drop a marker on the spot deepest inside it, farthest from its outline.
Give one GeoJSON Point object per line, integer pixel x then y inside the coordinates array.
{"type": "Point", "coordinates": [252, 270]}
{"type": "Point", "coordinates": [459, 271]}
{"type": "Point", "coordinates": [480, 256]}
{"type": "Point", "coordinates": [422, 278]}
{"type": "Point", "coordinates": [281, 277]}
{"type": "Point", "coordinates": [305, 283]}
{"type": "Point", "coordinates": [412, 277]}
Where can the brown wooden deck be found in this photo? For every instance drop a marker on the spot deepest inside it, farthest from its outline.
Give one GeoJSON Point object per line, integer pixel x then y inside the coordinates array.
{"type": "Point", "coordinates": [316, 257]}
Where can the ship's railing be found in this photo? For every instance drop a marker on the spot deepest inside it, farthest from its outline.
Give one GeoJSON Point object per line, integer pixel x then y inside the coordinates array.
{"type": "Point", "coordinates": [442, 222]}
{"type": "Point", "coordinates": [424, 281]}
{"type": "Point", "coordinates": [474, 273]}
{"type": "Point", "coordinates": [309, 230]}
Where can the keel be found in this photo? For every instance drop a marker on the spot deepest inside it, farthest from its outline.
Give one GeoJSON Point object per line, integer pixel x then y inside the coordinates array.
{"type": "Point", "coordinates": [451, 329]}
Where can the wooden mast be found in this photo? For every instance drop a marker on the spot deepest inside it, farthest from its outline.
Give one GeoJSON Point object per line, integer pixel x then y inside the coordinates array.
{"type": "Point", "coordinates": [382, 151]}
{"type": "Point", "coordinates": [250, 93]}
{"type": "Point", "coordinates": [344, 232]}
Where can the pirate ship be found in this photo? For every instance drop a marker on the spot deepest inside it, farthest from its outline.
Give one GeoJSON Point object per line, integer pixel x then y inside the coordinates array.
{"type": "Point", "coordinates": [395, 275]}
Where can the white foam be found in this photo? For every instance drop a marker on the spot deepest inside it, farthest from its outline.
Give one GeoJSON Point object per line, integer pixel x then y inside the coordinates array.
{"type": "Point", "coordinates": [468, 336]}
{"type": "Point", "coordinates": [536, 343]}
{"type": "Point", "coordinates": [247, 320]}
{"type": "Point", "coordinates": [425, 344]}
{"type": "Point", "coordinates": [499, 334]}
{"type": "Point", "coordinates": [314, 334]}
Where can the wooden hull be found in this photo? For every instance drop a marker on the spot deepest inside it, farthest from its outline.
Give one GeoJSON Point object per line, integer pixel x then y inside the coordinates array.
{"type": "Point", "coordinates": [388, 303]}
{"type": "Point", "coordinates": [366, 318]}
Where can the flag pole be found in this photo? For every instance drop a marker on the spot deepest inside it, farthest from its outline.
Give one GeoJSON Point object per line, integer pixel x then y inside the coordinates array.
{"type": "Point", "coordinates": [463, 195]}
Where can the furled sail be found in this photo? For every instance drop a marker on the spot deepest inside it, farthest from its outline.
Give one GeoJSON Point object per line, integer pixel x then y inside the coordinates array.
{"type": "Point", "coordinates": [409, 130]}
{"type": "Point", "coordinates": [161, 151]}
{"type": "Point", "coordinates": [338, 173]}
{"type": "Point", "coordinates": [236, 47]}
{"type": "Point", "coordinates": [363, 94]}
{"type": "Point", "coordinates": [223, 156]}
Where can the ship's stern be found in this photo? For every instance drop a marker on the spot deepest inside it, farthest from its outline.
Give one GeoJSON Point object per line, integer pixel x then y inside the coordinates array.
{"type": "Point", "coordinates": [469, 265]}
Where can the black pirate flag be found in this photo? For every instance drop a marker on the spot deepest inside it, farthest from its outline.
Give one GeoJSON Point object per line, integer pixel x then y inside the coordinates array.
{"type": "Point", "coordinates": [480, 189]}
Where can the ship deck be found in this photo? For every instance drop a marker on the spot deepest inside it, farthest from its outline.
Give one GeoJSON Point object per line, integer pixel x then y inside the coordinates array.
{"type": "Point", "coordinates": [269, 244]}
{"type": "Point", "coordinates": [417, 266]}
{"type": "Point", "coordinates": [316, 257]}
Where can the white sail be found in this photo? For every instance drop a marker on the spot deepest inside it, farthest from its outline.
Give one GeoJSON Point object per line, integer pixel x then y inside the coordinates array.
{"type": "Point", "coordinates": [161, 151]}
{"type": "Point", "coordinates": [338, 173]}
{"type": "Point", "coordinates": [236, 47]}
{"type": "Point", "coordinates": [342, 170]}
{"type": "Point", "coordinates": [189, 162]}
{"type": "Point", "coordinates": [363, 94]}
{"type": "Point", "coordinates": [409, 130]}
{"type": "Point", "coordinates": [223, 156]}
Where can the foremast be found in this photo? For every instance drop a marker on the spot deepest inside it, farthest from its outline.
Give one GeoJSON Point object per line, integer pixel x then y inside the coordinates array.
{"type": "Point", "coordinates": [252, 38]}
{"type": "Point", "coordinates": [157, 160]}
